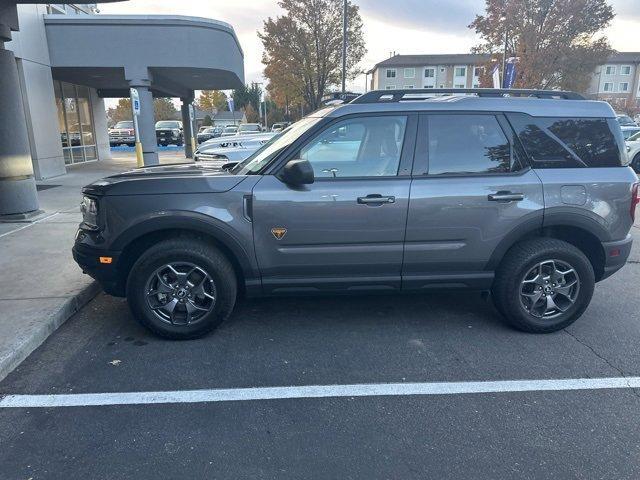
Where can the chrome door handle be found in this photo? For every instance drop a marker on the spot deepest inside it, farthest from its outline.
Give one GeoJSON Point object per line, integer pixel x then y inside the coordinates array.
{"type": "Point", "coordinates": [376, 199]}
{"type": "Point", "coordinates": [505, 197]}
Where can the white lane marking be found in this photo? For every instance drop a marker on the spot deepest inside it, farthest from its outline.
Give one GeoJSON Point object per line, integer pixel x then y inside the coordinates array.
{"type": "Point", "coordinates": [314, 391]}
{"type": "Point", "coordinates": [35, 222]}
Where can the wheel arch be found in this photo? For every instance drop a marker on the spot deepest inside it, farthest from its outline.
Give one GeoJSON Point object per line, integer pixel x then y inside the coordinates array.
{"type": "Point", "coordinates": [138, 238]}
{"type": "Point", "coordinates": [581, 232]}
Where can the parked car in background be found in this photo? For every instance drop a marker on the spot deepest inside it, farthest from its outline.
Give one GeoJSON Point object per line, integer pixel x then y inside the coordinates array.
{"type": "Point", "coordinates": [208, 133]}
{"type": "Point", "coordinates": [633, 151]}
{"type": "Point", "coordinates": [249, 128]}
{"type": "Point", "coordinates": [625, 120]}
{"type": "Point", "coordinates": [231, 149]}
{"type": "Point", "coordinates": [122, 133]}
{"type": "Point", "coordinates": [629, 131]}
{"type": "Point", "coordinates": [169, 132]}
{"type": "Point", "coordinates": [527, 197]}
{"type": "Point", "coordinates": [279, 126]}
{"type": "Point", "coordinates": [229, 131]}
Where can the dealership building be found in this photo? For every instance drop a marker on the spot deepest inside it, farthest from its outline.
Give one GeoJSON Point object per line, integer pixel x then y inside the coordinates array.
{"type": "Point", "coordinates": [67, 59]}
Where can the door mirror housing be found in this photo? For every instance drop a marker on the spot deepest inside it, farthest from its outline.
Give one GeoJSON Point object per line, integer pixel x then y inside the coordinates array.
{"type": "Point", "coordinates": [297, 172]}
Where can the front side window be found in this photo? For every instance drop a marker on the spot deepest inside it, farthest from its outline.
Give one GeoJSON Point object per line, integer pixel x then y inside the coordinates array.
{"type": "Point", "coordinates": [357, 147]}
{"type": "Point", "coordinates": [467, 144]}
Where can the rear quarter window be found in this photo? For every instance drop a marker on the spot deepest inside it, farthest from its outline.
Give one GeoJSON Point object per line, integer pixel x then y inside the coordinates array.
{"type": "Point", "coordinates": [552, 142]}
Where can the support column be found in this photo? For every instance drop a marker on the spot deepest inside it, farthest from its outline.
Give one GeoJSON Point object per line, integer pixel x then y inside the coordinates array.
{"type": "Point", "coordinates": [18, 196]}
{"type": "Point", "coordinates": [146, 123]}
{"type": "Point", "coordinates": [186, 125]}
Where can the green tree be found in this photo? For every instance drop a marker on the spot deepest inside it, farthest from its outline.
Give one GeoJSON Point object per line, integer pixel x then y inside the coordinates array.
{"type": "Point", "coordinates": [247, 95]}
{"type": "Point", "coordinates": [164, 109]}
{"type": "Point", "coordinates": [210, 100]}
{"type": "Point", "coordinates": [558, 43]}
{"type": "Point", "coordinates": [207, 121]}
{"type": "Point", "coordinates": [122, 111]}
{"type": "Point", "coordinates": [303, 49]}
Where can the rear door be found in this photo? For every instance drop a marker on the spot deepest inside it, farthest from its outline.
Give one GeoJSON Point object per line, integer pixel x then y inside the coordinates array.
{"type": "Point", "coordinates": [471, 191]}
{"type": "Point", "coordinates": [346, 230]}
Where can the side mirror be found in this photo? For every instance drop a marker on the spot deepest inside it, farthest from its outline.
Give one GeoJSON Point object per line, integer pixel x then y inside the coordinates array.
{"type": "Point", "coordinates": [297, 172]}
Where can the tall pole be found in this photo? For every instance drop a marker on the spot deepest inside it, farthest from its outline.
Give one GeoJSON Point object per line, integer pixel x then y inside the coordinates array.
{"type": "Point", "coordinates": [344, 47]}
{"type": "Point", "coordinates": [504, 53]}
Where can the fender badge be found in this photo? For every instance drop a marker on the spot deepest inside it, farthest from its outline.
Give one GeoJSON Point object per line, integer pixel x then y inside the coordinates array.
{"type": "Point", "coordinates": [279, 232]}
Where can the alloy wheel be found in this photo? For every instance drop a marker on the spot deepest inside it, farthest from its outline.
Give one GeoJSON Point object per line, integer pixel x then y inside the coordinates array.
{"type": "Point", "coordinates": [180, 293]}
{"type": "Point", "coordinates": [549, 289]}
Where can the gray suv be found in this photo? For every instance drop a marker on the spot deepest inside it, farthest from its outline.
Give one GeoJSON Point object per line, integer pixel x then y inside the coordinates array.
{"type": "Point", "coordinates": [521, 193]}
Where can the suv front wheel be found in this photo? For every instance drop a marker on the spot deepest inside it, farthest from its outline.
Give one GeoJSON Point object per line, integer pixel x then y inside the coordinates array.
{"type": "Point", "coordinates": [543, 285]}
{"type": "Point", "coordinates": [182, 288]}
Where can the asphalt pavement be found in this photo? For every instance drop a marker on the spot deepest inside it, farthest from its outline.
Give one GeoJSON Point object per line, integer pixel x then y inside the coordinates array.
{"type": "Point", "coordinates": [439, 337]}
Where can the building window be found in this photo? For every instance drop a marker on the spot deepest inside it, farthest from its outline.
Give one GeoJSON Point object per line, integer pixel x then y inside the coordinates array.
{"type": "Point", "coordinates": [408, 87]}
{"type": "Point", "coordinates": [459, 85]}
{"type": "Point", "coordinates": [625, 70]}
{"type": "Point", "coordinates": [610, 70]}
{"type": "Point", "coordinates": [460, 72]}
{"type": "Point", "coordinates": [390, 87]}
{"type": "Point", "coordinates": [441, 86]}
{"type": "Point", "coordinates": [477, 71]}
{"type": "Point", "coordinates": [441, 69]}
{"type": "Point", "coordinates": [623, 87]}
{"type": "Point", "coordinates": [391, 73]}
{"type": "Point", "coordinates": [75, 122]}
{"type": "Point", "coordinates": [429, 72]}
{"type": "Point", "coordinates": [409, 73]}
{"type": "Point", "coordinates": [428, 86]}
{"type": "Point", "coordinates": [608, 87]}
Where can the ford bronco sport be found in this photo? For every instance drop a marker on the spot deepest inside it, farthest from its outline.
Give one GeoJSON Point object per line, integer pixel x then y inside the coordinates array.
{"type": "Point", "coordinates": [521, 193]}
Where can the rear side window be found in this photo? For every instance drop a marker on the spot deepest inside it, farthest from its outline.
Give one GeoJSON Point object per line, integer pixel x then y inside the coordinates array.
{"type": "Point", "coordinates": [567, 142]}
{"type": "Point", "coordinates": [467, 144]}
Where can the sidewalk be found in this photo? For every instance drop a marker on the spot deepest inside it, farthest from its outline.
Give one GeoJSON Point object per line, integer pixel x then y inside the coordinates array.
{"type": "Point", "coordinates": [41, 286]}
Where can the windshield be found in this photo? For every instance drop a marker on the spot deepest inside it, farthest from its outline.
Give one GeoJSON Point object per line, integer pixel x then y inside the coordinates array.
{"type": "Point", "coordinates": [273, 147]}
{"type": "Point", "coordinates": [625, 120]}
{"type": "Point", "coordinates": [167, 125]}
{"type": "Point", "coordinates": [124, 125]}
{"type": "Point", "coordinates": [249, 128]}
{"type": "Point", "coordinates": [230, 129]}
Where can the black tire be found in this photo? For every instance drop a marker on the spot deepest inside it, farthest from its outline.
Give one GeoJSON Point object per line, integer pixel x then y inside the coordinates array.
{"type": "Point", "coordinates": [187, 250]}
{"type": "Point", "coordinates": [510, 278]}
{"type": "Point", "coordinates": [635, 163]}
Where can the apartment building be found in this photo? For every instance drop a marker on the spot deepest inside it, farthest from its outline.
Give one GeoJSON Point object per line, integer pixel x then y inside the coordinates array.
{"type": "Point", "coordinates": [428, 71]}
{"type": "Point", "coordinates": [618, 81]}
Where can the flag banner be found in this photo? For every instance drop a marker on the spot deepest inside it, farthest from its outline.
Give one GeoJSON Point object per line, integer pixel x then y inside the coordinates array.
{"type": "Point", "coordinates": [510, 73]}
{"type": "Point", "coordinates": [496, 77]}
{"type": "Point", "coordinates": [230, 103]}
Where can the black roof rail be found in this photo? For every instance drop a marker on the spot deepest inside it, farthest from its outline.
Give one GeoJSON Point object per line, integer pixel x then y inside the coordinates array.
{"type": "Point", "coordinates": [414, 94]}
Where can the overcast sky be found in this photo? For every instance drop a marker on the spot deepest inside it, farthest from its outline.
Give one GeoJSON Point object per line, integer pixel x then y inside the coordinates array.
{"type": "Point", "coordinates": [403, 26]}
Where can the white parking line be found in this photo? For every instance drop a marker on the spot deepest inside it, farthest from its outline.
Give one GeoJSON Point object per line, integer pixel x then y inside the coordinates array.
{"type": "Point", "coordinates": [314, 391]}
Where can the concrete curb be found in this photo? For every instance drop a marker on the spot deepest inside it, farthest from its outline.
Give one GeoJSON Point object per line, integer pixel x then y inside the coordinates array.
{"type": "Point", "coordinates": [62, 312]}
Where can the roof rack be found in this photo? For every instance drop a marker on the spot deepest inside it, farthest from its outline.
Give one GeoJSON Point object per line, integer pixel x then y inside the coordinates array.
{"type": "Point", "coordinates": [416, 94]}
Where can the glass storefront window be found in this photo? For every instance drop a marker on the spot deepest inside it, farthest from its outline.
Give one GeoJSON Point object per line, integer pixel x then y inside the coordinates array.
{"type": "Point", "coordinates": [75, 122]}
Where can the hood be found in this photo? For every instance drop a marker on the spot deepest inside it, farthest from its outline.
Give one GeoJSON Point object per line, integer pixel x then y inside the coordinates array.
{"type": "Point", "coordinates": [166, 179]}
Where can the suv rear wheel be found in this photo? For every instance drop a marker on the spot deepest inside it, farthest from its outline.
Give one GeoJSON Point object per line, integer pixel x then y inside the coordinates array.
{"type": "Point", "coordinates": [182, 288]}
{"type": "Point", "coordinates": [543, 285]}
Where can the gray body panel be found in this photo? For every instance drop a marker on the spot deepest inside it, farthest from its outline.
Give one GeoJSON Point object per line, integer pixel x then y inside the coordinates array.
{"type": "Point", "coordinates": [453, 229]}
{"type": "Point", "coordinates": [332, 241]}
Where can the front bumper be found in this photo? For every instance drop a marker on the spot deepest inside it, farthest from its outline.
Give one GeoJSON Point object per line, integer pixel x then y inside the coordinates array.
{"type": "Point", "coordinates": [88, 257]}
{"type": "Point", "coordinates": [616, 255]}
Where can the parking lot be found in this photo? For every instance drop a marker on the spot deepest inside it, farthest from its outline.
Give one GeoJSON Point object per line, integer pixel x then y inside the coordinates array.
{"type": "Point", "coordinates": [292, 342]}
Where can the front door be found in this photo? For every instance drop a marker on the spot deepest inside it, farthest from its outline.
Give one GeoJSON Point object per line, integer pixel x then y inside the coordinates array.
{"type": "Point", "coordinates": [346, 230]}
{"type": "Point", "coordinates": [472, 192]}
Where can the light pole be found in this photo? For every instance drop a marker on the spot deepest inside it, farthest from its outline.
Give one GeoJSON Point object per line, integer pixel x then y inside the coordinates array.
{"type": "Point", "coordinates": [504, 53]}
{"type": "Point", "coordinates": [344, 46]}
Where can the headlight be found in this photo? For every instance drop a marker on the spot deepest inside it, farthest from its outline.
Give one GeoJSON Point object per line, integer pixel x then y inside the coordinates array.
{"type": "Point", "coordinates": [89, 209]}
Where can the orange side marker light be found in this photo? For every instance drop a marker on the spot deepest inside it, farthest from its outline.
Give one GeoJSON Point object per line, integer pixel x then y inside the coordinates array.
{"type": "Point", "coordinates": [106, 260]}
